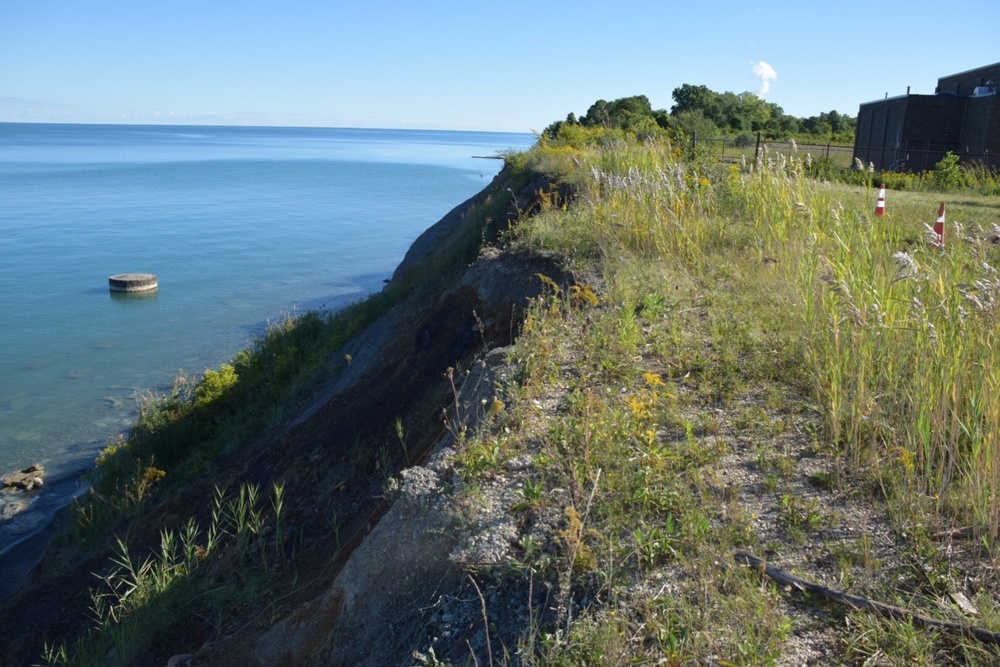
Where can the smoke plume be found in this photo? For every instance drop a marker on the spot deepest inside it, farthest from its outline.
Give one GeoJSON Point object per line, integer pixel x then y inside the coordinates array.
{"type": "Point", "coordinates": [766, 74]}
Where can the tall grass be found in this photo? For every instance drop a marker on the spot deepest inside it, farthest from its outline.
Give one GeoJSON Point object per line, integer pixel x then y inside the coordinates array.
{"type": "Point", "coordinates": [721, 283]}
{"type": "Point", "coordinates": [947, 175]}
{"type": "Point", "coordinates": [142, 595]}
{"type": "Point", "coordinates": [898, 335]}
{"type": "Point", "coordinates": [905, 360]}
{"type": "Point", "coordinates": [627, 452]}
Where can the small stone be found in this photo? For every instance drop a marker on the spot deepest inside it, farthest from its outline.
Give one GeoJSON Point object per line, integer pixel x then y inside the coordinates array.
{"type": "Point", "coordinates": [180, 660]}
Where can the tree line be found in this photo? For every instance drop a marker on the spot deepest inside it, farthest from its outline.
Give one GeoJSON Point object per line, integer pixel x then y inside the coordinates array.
{"type": "Point", "coordinates": [698, 109]}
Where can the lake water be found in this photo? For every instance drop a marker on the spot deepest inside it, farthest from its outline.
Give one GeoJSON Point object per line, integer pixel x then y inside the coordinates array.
{"type": "Point", "coordinates": [241, 226]}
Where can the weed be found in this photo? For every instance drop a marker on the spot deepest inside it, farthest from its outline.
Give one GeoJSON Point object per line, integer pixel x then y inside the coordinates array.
{"type": "Point", "coordinates": [753, 292]}
{"type": "Point", "coordinates": [533, 494]}
{"type": "Point", "coordinates": [139, 594]}
{"type": "Point", "coordinates": [801, 514]}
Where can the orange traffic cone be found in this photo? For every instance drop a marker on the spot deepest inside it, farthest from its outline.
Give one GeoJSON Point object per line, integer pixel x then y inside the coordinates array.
{"type": "Point", "coordinates": [880, 205]}
{"type": "Point", "coordinates": [939, 225]}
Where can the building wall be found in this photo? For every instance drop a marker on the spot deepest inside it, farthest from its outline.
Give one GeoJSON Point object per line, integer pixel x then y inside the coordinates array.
{"type": "Point", "coordinates": [913, 132]}
{"type": "Point", "coordinates": [880, 127]}
{"type": "Point", "coordinates": [977, 121]}
{"type": "Point", "coordinates": [965, 83]}
{"type": "Point", "coordinates": [980, 139]}
{"type": "Point", "coordinates": [933, 127]}
{"type": "Point", "coordinates": [992, 143]}
{"type": "Point", "coordinates": [987, 124]}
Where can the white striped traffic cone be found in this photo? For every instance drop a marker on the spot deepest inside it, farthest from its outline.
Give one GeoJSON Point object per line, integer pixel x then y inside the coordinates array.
{"type": "Point", "coordinates": [880, 205]}
{"type": "Point", "coordinates": [939, 225]}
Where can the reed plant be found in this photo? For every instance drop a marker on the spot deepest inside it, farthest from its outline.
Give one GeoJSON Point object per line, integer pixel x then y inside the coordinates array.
{"type": "Point", "coordinates": [946, 176]}
{"type": "Point", "coordinates": [138, 595]}
{"type": "Point", "coordinates": [905, 360]}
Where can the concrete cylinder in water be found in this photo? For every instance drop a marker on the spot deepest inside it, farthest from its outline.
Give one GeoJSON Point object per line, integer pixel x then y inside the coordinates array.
{"type": "Point", "coordinates": [132, 282]}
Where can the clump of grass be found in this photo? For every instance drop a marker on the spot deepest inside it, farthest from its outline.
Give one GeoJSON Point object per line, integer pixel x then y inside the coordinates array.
{"type": "Point", "coordinates": [945, 176]}
{"type": "Point", "coordinates": [662, 235]}
{"type": "Point", "coordinates": [139, 595]}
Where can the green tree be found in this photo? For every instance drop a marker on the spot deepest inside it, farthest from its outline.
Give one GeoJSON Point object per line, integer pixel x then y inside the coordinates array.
{"type": "Point", "coordinates": [836, 122]}
{"type": "Point", "coordinates": [598, 115]}
{"type": "Point", "coordinates": [697, 98]}
{"type": "Point", "coordinates": [747, 112]}
{"type": "Point", "coordinates": [553, 130]}
{"type": "Point", "coordinates": [702, 110]}
{"type": "Point", "coordinates": [731, 113]}
{"type": "Point", "coordinates": [755, 111]}
{"type": "Point", "coordinates": [633, 114]}
{"type": "Point", "coordinates": [695, 122]}
{"type": "Point", "coordinates": [816, 125]}
{"type": "Point", "coordinates": [630, 111]}
{"type": "Point", "coordinates": [948, 173]}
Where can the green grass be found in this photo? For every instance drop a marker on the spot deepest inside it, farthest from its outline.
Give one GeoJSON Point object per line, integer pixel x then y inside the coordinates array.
{"type": "Point", "coordinates": [139, 594]}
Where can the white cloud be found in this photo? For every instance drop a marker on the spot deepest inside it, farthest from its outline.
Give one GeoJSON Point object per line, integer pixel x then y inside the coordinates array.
{"type": "Point", "coordinates": [766, 74]}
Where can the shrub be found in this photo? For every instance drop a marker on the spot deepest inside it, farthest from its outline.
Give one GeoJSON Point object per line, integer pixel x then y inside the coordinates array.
{"type": "Point", "coordinates": [214, 385]}
{"type": "Point", "coordinates": [948, 174]}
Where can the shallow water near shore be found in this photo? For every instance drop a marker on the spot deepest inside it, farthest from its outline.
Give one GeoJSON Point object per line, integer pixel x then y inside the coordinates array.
{"type": "Point", "coordinates": [241, 226]}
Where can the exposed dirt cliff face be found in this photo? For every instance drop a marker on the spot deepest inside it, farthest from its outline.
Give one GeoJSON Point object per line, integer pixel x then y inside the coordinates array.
{"type": "Point", "coordinates": [372, 605]}
{"type": "Point", "coordinates": [365, 557]}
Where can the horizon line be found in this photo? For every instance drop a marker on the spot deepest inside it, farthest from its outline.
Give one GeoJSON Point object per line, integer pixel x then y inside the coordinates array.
{"type": "Point", "coordinates": [259, 125]}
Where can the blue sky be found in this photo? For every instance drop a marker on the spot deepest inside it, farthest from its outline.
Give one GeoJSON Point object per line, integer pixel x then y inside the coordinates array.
{"type": "Point", "coordinates": [514, 66]}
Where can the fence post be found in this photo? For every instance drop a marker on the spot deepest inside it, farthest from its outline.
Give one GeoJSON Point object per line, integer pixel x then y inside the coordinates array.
{"type": "Point", "coordinates": [723, 149]}
{"type": "Point", "coordinates": [694, 140]}
{"type": "Point", "coordinates": [828, 151]}
{"type": "Point", "coordinates": [756, 153]}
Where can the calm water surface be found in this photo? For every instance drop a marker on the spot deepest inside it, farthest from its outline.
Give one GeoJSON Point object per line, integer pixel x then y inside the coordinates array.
{"type": "Point", "coordinates": [241, 226]}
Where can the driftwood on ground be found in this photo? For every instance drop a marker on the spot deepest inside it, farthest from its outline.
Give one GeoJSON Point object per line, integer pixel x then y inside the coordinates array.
{"type": "Point", "coordinates": [784, 578]}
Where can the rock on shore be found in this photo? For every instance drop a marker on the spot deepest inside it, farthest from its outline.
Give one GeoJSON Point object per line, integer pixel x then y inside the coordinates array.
{"type": "Point", "coordinates": [29, 479]}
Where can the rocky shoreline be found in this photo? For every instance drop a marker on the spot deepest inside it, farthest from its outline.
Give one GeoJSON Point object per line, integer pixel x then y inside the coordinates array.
{"type": "Point", "coordinates": [28, 514]}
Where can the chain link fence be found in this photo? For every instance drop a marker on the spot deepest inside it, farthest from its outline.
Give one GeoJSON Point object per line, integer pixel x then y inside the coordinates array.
{"type": "Point", "coordinates": [908, 157]}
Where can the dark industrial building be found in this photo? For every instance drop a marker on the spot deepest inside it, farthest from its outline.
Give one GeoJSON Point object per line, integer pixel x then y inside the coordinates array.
{"type": "Point", "coordinates": [913, 132]}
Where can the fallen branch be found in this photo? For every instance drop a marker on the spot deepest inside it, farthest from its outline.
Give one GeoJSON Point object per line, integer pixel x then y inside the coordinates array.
{"type": "Point", "coordinates": [963, 533]}
{"type": "Point", "coordinates": [783, 578]}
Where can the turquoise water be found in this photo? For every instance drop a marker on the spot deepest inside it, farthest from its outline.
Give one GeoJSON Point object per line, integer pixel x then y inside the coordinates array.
{"type": "Point", "coordinates": [241, 226]}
